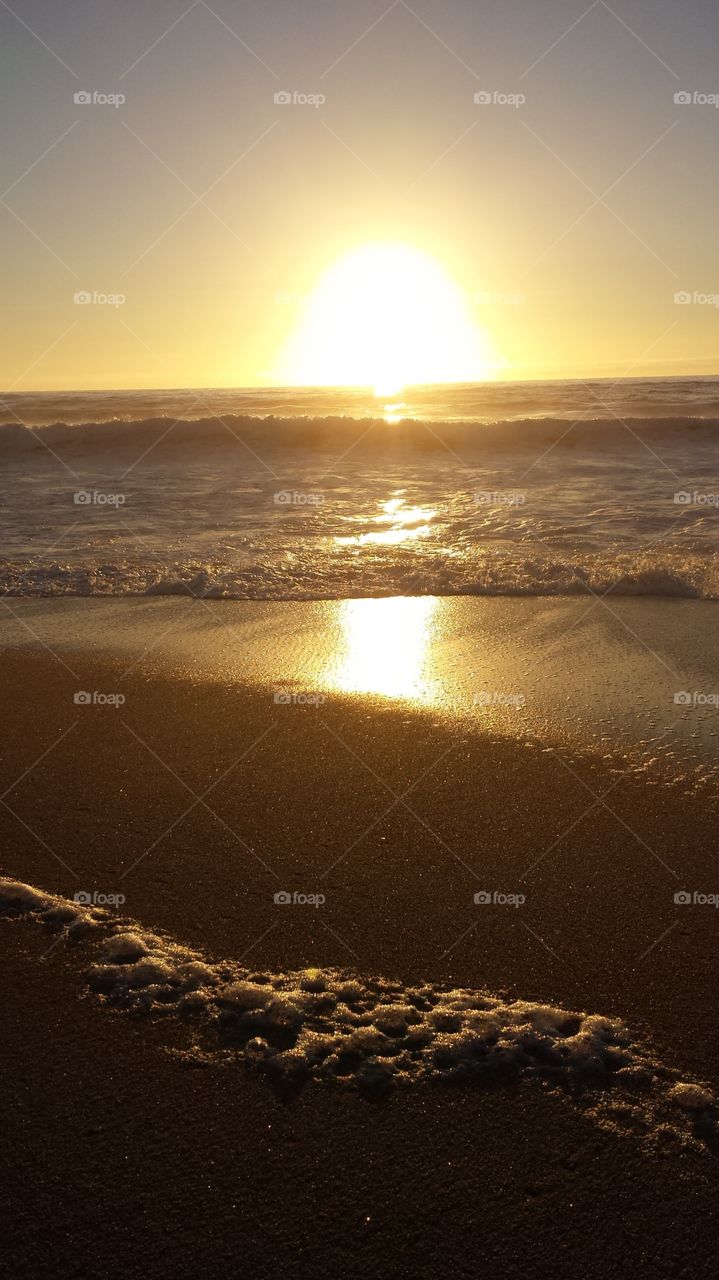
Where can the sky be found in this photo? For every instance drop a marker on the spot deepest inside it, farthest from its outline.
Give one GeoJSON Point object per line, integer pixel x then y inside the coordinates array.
{"type": "Point", "coordinates": [228, 239]}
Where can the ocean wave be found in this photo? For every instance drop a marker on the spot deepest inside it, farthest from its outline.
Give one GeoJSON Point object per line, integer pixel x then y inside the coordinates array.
{"type": "Point", "coordinates": [167, 436]}
{"type": "Point", "coordinates": [513, 573]}
{"type": "Point", "coordinates": [371, 1033]}
{"type": "Point", "coordinates": [627, 398]}
{"type": "Point", "coordinates": [315, 506]}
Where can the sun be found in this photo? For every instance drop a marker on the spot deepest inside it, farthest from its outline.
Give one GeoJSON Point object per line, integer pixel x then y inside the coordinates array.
{"type": "Point", "coordinates": [386, 316]}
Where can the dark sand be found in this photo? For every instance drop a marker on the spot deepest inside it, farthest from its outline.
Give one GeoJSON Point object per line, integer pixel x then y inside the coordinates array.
{"type": "Point", "coordinates": [121, 1161]}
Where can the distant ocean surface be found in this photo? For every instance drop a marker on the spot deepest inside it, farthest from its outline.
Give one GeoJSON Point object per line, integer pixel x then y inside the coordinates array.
{"type": "Point", "coordinates": [544, 488]}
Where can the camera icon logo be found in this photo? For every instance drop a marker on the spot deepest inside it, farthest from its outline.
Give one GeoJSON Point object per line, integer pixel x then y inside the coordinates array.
{"type": "Point", "coordinates": [482, 99]}
{"type": "Point", "coordinates": [683, 698]}
{"type": "Point", "coordinates": [83, 898]}
{"type": "Point", "coordinates": [683, 298]}
{"type": "Point", "coordinates": [82, 98]}
{"type": "Point", "coordinates": [282, 699]}
{"type": "Point", "coordinates": [283, 898]}
{"type": "Point", "coordinates": [283, 98]}
{"type": "Point", "coordinates": [682, 898]}
{"type": "Point", "coordinates": [82, 698]}
{"type": "Point", "coordinates": [283, 498]}
{"type": "Point", "coordinates": [483, 898]}
{"type": "Point", "coordinates": [83, 298]}
{"type": "Point", "coordinates": [82, 498]}
{"type": "Point", "coordinates": [682, 98]}
{"type": "Point", "coordinates": [682, 498]}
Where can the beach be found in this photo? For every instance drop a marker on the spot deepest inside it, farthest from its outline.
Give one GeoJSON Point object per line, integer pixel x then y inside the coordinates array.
{"type": "Point", "coordinates": [396, 811]}
{"type": "Point", "coordinates": [359, 641]}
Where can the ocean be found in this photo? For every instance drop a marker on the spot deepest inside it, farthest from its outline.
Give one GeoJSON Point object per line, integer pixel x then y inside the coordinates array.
{"type": "Point", "coordinates": [528, 489]}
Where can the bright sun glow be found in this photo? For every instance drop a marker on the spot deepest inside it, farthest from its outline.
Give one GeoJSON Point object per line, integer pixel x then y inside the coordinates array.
{"type": "Point", "coordinates": [385, 317]}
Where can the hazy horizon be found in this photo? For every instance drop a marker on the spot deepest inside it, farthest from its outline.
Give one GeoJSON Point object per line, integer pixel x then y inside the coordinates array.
{"type": "Point", "coordinates": [308, 387]}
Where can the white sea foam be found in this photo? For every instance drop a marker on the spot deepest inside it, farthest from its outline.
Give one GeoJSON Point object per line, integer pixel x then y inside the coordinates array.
{"type": "Point", "coordinates": [321, 574]}
{"type": "Point", "coordinates": [371, 1033]}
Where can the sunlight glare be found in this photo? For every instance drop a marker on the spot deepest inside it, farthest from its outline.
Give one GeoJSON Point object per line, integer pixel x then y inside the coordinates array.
{"type": "Point", "coordinates": [384, 647]}
{"type": "Point", "coordinates": [404, 524]}
{"type": "Point", "coordinates": [386, 316]}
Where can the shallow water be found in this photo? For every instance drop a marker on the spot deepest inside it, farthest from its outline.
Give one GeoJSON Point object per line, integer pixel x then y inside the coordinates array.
{"type": "Point", "coordinates": [531, 489]}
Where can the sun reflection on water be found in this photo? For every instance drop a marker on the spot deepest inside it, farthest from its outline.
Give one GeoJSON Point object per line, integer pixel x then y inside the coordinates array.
{"type": "Point", "coordinates": [384, 537]}
{"type": "Point", "coordinates": [404, 523]}
{"type": "Point", "coordinates": [384, 647]}
{"type": "Point", "coordinates": [392, 413]}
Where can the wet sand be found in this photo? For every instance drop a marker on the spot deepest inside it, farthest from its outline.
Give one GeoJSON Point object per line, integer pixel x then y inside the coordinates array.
{"type": "Point", "coordinates": [601, 672]}
{"type": "Point", "coordinates": [213, 1165]}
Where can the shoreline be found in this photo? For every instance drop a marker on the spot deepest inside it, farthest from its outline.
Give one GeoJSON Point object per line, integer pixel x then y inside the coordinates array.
{"type": "Point", "coordinates": [505, 664]}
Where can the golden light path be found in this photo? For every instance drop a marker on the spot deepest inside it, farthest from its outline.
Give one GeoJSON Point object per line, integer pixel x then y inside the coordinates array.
{"type": "Point", "coordinates": [384, 647]}
{"type": "Point", "coordinates": [386, 316]}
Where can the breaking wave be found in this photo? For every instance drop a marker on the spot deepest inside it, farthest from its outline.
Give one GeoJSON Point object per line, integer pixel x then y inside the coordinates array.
{"type": "Point", "coordinates": [332, 578]}
{"type": "Point", "coordinates": [371, 436]}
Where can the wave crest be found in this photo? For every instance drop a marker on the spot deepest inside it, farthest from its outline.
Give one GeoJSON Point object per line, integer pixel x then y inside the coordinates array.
{"type": "Point", "coordinates": [665, 574]}
{"type": "Point", "coordinates": [334, 432]}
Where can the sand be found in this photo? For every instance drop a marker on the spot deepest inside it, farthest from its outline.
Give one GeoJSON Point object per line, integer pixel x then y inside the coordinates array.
{"type": "Point", "coordinates": [124, 1160]}
{"type": "Point", "coordinates": [124, 1163]}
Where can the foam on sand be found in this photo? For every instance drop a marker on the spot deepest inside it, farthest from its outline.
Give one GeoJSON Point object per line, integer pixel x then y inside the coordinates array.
{"type": "Point", "coordinates": [371, 1033]}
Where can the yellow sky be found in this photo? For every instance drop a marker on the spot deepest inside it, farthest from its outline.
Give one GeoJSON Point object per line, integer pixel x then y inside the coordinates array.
{"type": "Point", "coordinates": [540, 198]}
